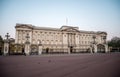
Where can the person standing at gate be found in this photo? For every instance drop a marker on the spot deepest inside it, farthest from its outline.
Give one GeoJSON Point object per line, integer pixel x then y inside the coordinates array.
{"type": "Point", "coordinates": [23, 52]}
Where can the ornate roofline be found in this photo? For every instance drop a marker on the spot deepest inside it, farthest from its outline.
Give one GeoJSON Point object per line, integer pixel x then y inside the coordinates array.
{"type": "Point", "coordinates": [18, 25]}
{"type": "Point", "coordinates": [64, 27]}
{"type": "Point", "coordinates": [35, 27]}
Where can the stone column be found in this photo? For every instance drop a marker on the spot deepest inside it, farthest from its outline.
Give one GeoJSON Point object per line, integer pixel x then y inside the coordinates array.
{"type": "Point", "coordinates": [6, 48]}
{"type": "Point", "coordinates": [16, 36]}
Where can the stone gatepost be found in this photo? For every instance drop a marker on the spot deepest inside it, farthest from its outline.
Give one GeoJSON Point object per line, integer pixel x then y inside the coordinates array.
{"type": "Point", "coordinates": [106, 48]}
{"type": "Point", "coordinates": [68, 50]}
{"type": "Point", "coordinates": [6, 47]}
{"type": "Point", "coordinates": [39, 49]}
{"type": "Point", "coordinates": [91, 50]}
{"type": "Point", "coordinates": [6, 44]}
{"type": "Point", "coordinates": [27, 45]}
{"type": "Point", "coordinates": [95, 48]}
{"type": "Point", "coordinates": [27, 48]}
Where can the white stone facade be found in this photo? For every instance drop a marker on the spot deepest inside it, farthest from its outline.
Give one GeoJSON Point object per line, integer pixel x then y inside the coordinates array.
{"type": "Point", "coordinates": [65, 39]}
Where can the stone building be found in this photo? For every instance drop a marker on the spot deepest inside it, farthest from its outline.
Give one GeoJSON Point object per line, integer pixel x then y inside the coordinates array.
{"type": "Point", "coordinates": [67, 39]}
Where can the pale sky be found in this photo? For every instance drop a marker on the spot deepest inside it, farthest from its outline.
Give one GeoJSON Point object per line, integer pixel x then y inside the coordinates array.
{"type": "Point", "coordinates": [88, 15]}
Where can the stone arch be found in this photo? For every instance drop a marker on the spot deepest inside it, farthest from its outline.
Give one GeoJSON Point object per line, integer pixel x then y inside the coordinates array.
{"type": "Point", "coordinates": [101, 48]}
{"type": "Point", "coordinates": [34, 49]}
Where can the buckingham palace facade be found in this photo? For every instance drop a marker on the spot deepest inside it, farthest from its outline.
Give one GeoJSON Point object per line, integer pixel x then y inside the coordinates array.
{"type": "Point", "coordinates": [67, 39]}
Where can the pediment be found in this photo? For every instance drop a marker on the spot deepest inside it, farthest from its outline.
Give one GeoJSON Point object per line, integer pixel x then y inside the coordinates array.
{"type": "Point", "coordinates": [71, 30]}
{"type": "Point", "coordinates": [23, 26]}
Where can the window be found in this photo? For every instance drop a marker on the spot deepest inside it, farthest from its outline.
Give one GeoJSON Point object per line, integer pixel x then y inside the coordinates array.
{"type": "Point", "coordinates": [40, 32]}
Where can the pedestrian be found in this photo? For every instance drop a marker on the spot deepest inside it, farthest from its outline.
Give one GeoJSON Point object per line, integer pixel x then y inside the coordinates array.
{"type": "Point", "coordinates": [23, 52]}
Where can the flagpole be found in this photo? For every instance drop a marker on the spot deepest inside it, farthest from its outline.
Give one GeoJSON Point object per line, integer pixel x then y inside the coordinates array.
{"type": "Point", "coordinates": [66, 21]}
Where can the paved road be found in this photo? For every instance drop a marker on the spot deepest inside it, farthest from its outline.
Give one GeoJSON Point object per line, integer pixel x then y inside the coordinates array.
{"type": "Point", "coordinates": [75, 65]}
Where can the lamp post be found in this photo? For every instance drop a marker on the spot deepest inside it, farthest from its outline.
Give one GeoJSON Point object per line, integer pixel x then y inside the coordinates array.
{"type": "Point", "coordinates": [7, 36]}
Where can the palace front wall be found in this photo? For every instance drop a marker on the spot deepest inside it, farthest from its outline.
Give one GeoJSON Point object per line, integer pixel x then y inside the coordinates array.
{"type": "Point", "coordinates": [57, 39]}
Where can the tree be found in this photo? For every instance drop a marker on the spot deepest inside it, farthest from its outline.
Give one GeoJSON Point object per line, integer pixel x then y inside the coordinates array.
{"type": "Point", "coordinates": [114, 42]}
{"type": "Point", "coordinates": [1, 40]}
{"type": "Point", "coordinates": [1, 44]}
